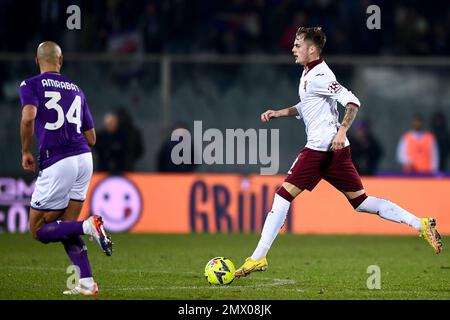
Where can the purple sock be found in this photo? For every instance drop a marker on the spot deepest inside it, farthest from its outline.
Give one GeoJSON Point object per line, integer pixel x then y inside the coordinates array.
{"type": "Point", "coordinates": [77, 252]}
{"type": "Point", "coordinates": [59, 230]}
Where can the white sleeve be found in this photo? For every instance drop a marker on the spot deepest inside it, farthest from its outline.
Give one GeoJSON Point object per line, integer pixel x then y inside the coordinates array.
{"type": "Point", "coordinates": [328, 86]}
{"type": "Point", "coordinates": [402, 156]}
{"type": "Point", "coordinates": [298, 107]}
{"type": "Point", "coordinates": [434, 156]}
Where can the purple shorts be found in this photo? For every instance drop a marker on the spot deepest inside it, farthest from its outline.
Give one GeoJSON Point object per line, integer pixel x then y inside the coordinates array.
{"type": "Point", "coordinates": [335, 167]}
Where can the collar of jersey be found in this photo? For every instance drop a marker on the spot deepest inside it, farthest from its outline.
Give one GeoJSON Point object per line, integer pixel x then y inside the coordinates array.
{"type": "Point", "coordinates": [314, 63]}
{"type": "Point", "coordinates": [54, 72]}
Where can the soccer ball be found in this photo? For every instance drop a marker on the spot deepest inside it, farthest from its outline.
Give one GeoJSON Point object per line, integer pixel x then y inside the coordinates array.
{"type": "Point", "coordinates": [219, 270]}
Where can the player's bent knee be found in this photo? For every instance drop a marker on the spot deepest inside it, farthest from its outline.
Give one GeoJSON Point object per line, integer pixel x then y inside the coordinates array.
{"type": "Point", "coordinates": [35, 235]}
{"type": "Point", "coordinates": [34, 226]}
{"type": "Point", "coordinates": [33, 232]}
{"type": "Point", "coordinates": [36, 221]}
{"type": "Point", "coordinates": [288, 191]}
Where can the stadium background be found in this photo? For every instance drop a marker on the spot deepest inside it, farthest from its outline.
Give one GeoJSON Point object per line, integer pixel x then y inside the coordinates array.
{"type": "Point", "coordinates": [225, 62]}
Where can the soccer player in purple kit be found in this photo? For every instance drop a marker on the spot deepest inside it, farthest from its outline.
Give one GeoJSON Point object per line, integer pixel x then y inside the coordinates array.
{"type": "Point", "coordinates": [55, 109]}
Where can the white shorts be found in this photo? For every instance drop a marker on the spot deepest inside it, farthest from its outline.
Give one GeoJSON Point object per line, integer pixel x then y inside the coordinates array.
{"type": "Point", "coordinates": [67, 179]}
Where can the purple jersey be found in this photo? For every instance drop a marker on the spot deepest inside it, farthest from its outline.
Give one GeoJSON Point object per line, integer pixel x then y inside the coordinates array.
{"type": "Point", "coordinates": [62, 116]}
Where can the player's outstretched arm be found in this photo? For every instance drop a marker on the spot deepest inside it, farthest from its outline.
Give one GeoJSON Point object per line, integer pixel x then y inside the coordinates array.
{"type": "Point", "coordinates": [351, 110]}
{"type": "Point", "coordinates": [26, 134]}
{"type": "Point", "coordinates": [287, 112]}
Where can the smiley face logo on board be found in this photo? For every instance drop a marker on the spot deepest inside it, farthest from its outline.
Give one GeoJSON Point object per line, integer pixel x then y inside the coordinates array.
{"type": "Point", "coordinates": [118, 201]}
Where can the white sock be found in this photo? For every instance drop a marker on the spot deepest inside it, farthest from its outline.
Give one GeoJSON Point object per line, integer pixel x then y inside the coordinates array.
{"type": "Point", "coordinates": [389, 211]}
{"type": "Point", "coordinates": [274, 221]}
{"type": "Point", "coordinates": [87, 283]}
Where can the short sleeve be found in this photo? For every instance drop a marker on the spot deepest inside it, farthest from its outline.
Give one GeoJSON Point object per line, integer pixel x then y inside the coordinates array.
{"type": "Point", "coordinates": [328, 86]}
{"type": "Point", "coordinates": [27, 94]}
{"type": "Point", "coordinates": [299, 110]}
{"type": "Point", "coordinates": [402, 155]}
{"type": "Point", "coordinates": [88, 122]}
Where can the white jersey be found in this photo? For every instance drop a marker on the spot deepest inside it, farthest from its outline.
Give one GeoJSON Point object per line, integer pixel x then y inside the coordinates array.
{"type": "Point", "coordinates": [319, 94]}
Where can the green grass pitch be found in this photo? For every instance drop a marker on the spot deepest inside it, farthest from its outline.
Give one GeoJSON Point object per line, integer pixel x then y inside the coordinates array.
{"type": "Point", "coordinates": [145, 266]}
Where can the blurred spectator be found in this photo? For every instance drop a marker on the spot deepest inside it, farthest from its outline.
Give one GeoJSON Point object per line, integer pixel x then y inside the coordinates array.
{"type": "Point", "coordinates": [417, 150]}
{"type": "Point", "coordinates": [151, 29]}
{"type": "Point", "coordinates": [111, 146]}
{"type": "Point", "coordinates": [164, 161]}
{"type": "Point", "coordinates": [288, 35]}
{"type": "Point", "coordinates": [413, 30]}
{"type": "Point", "coordinates": [134, 147]}
{"type": "Point", "coordinates": [366, 150]}
{"type": "Point", "coordinates": [236, 26]}
{"type": "Point", "coordinates": [442, 135]}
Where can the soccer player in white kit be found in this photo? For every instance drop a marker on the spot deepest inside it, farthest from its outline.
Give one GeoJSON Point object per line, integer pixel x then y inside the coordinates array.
{"type": "Point", "coordinates": [327, 152]}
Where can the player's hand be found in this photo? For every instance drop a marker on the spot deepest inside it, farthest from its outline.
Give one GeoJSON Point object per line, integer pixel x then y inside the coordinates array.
{"type": "Point", "coordinates": [266, 116]}
{"type": "Point", "coordinates": [28, 162]}
{"type": "Point", "coordinates": [339, 140]}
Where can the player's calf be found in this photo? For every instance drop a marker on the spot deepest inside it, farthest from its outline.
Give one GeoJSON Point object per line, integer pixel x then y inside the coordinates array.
{"type": "Point", "coordinates": [386, 210]}
{"type": "Point", "coordinates": [390, 211]}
